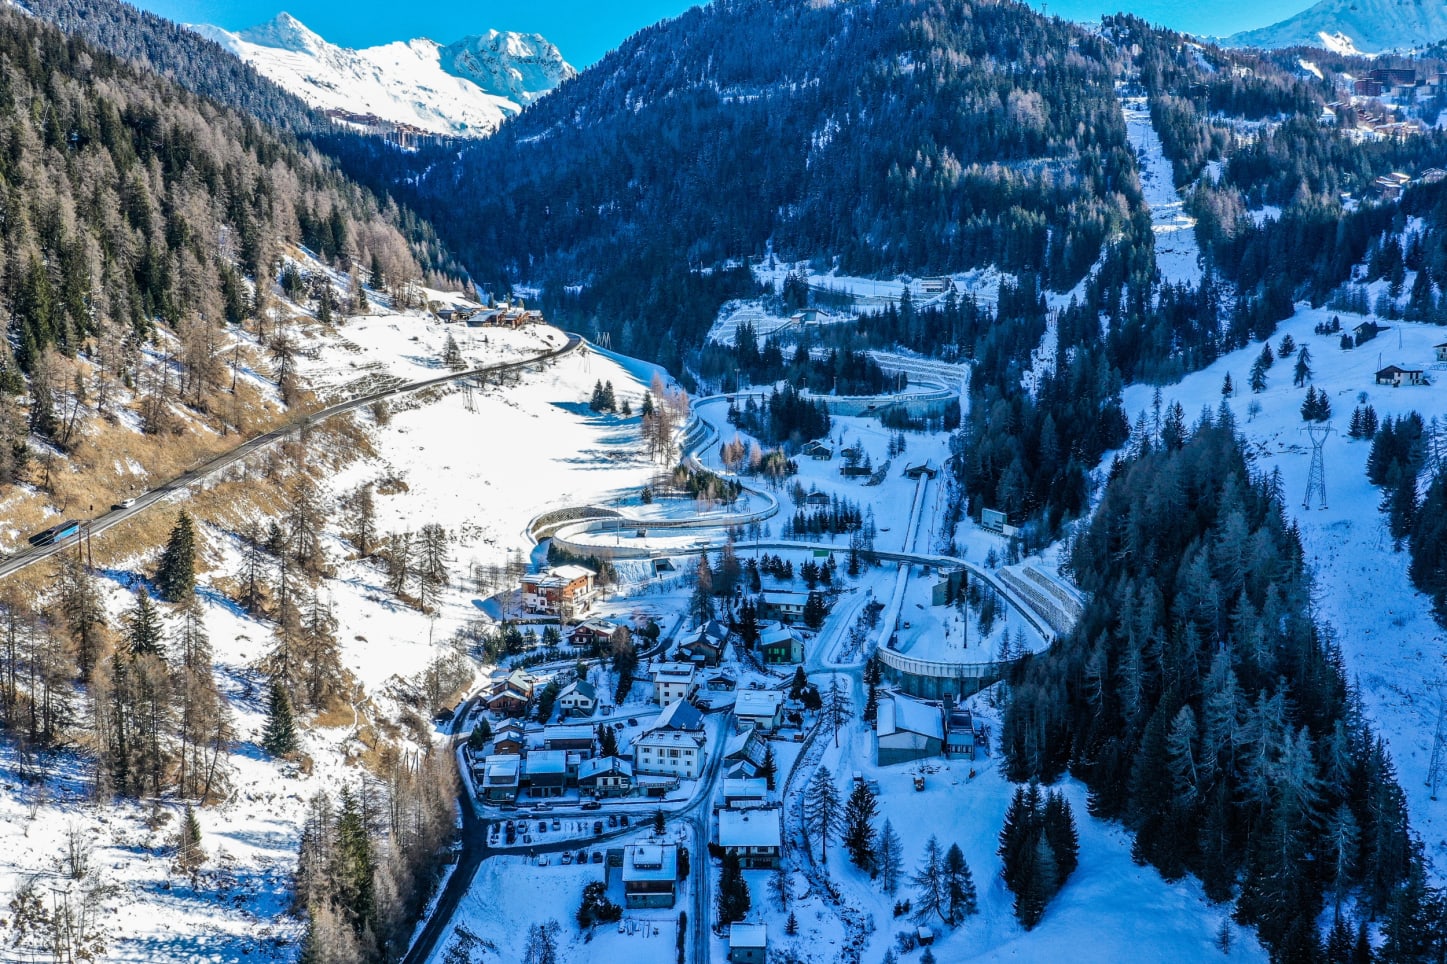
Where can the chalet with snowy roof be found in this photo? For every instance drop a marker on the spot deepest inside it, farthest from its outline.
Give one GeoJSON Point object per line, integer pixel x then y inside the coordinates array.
{"type": "Point", "coordinates": [511, 696]}
{"type": "Point", "coordinates": [761, 708]}
{"type": "Point", "coordinates": [785, 605]}
{"type": "Point", "coordinates": [780, 645]}
{"type": "Point", "coordinates": [1441, 351]}
{"type": "Point", "coordinates": [674, 753]}
{"type": "Point", "coordinates": [598, 634]}
{"type": "Point", "coordinates": [906, 730]}
{"type": "Point", "coordinates": [546, 772]}
{"type": "Point", "coordinates": [1366, 331]}
{"type": "Point", "coordinates": [744, 752]}
{"type": "Point", "coordinates": [748, 944]}
{"type": "Point", "coordinates": [607, 776]}
{"type": "Point", "coordinates": [510, 737]}
{"type": "Point", "coordinates": [650, 875]}
{"type": "Point", "coordinates": [920, 470]}
{"type": "Point", "coordinates": [499, 778]}
{"type": "Point", "coordinates": [673, 681]}
{"type": "Point", "coordinates": [563, 591]}
{"type": "Point", "coordinates": [818, 450]}
{"type": "Point", "coordinates": [819, 499]}
{"type": "Point", "coordinates": [1432, 175]}
{"type": "Point", "coordinates": [573, 737]}
{"type": "Point", "coordinates": [1396, 376]}
{"type": "Point", "coordinates": [755, 836]}
{"type": "Point", "coordinates": [579, 698]}
{"type": "Point", "coordinates": [741, 793]}
{"type": "Point", "coordinates": [705, 644]}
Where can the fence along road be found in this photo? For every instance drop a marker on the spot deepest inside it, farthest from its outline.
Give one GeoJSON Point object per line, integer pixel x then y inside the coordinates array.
{"type": "Point", "coordinates": [297, 425]}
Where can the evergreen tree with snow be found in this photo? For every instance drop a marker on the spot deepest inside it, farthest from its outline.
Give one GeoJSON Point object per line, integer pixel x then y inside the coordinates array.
{"type": "Point", "coordinates": [1301, 374]}
{"type": "Point", "coordinates": [931, 892]}
{"type": "Point", "coordinates": [769, 767]}
{"type": "Point", "coordinates": [1258, 377]}
{"type": "Point", "coordinates": [822, 812]}
{"type": "Point", "coordinates": [733, 902]}
{"type": "Point", "coordinates": [889, 859]}
{"type": "Point", "coordinates": [143, 627]}
{"type": "Point", "coordinates": [176, 576]}
{"type": "Point", "coordinates": [189, 853]}
{"type": "Point", "coordinates": [961, 898]}
{"type": "Point", "coordinates": [279, 736]}
{"type": "Point", "coordinates": [859, 813]}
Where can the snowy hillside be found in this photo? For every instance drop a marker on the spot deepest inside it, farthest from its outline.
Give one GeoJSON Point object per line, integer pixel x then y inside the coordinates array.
{"type": "Point", "coordinates": [465, 89]}
{"type": "Point", "coordinates": [1352, 26]}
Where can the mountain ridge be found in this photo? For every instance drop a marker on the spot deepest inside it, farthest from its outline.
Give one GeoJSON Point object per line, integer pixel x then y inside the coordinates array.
{"type": "Point", "coordinates": [1354, 27]}
{"type": "Point", "coordinates": [465, 89]}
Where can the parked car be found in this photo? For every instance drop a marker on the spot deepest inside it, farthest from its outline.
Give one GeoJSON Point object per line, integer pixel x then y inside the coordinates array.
{"type": "Point", "coordinates": [597, 856]}
{"type": "Point", "coordinates": [583, 856]}
{"type": "Point", "coordinates": [567, 857]}
{"type": "Point", "coordinates": [557, 824]}
{"type": "Point", "coordinates": [592, 805]}
{"type": "Point", "coordinates": [612, 820]}
{"type": "Point", "coordinates": [597, 828]}
{"type": "Point", "coordinates": [542, 826]}
{"type": "Point", "coordinates": [124, 504]}
{"type": "Point", "coordinates": [527, 838]}
{"type": "Point", "coordinates": [623, 819]}
{"type": "Point", "coordinates": [632, 722]}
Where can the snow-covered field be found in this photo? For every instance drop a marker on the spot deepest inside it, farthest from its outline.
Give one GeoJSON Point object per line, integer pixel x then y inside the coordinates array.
{"type": "Point", "coordinates": [470, 461]}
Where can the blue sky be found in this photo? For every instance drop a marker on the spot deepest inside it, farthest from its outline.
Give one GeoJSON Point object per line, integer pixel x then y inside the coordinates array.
{"type": "Point", "coordinates": [587, 29]}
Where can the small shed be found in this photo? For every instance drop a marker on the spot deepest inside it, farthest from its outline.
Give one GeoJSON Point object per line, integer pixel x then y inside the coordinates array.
{"type": "Point", "coordinates": [748, 944]}
{"type": "Point", "coordinates": [1441, 351]}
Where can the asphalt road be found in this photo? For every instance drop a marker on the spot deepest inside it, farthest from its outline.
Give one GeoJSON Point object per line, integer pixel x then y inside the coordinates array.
{"type": "Point", "coordinates": [106, 520]}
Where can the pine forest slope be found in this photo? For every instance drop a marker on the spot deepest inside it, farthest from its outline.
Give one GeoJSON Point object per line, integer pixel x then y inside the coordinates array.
{"type": "Point", "coordinates": [919, 137]}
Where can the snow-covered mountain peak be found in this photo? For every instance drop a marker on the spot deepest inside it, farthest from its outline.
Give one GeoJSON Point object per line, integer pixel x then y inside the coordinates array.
{"type": "Point", "coordinates": [1355, 26]}
{"type": "Point", "coordinates": [285, 32]}
{"type": "Point", "coordinates": [522, 65]}
{"type": "Point", "coordinates": [464, 89]}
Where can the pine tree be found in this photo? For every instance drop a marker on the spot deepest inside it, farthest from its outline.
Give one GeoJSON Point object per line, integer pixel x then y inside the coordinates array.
{"type": "Point", "coordinates": [279, 736]}
{"type": "Point", "coordinates": [733, 900]}
{"type": "Point", "coordinates": [931, 895]}
{"type": "Point", "coordinates": [822, 812]}
{"type": "Point", "coordinates": [1038, 885]}
{"type": "Point", "coordinates": [189, 853]}
{"type": "Point", "coordinates": [859, 814]}
{"type": "Point", "coordinates": [959, 886]}
{"type": "Point", "coordinates": [176, 576]}
{"type": "Point", "coordinates": [1058, 824]}
{"type": "Point", "coordinates": [1258, 377]}
{"type": "Point", "coordinates": [1302, 373]}
{"type": "Point", "coordinates": [769, 768]}
{"type": "Point", "coordinates": [607, 740]}
{"type": "Point", "coordinates": [143, 627]}
{"type": "Point", "coordinates": [889, 859]}
{"type": "Point", "coordinates": [356, 865]}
